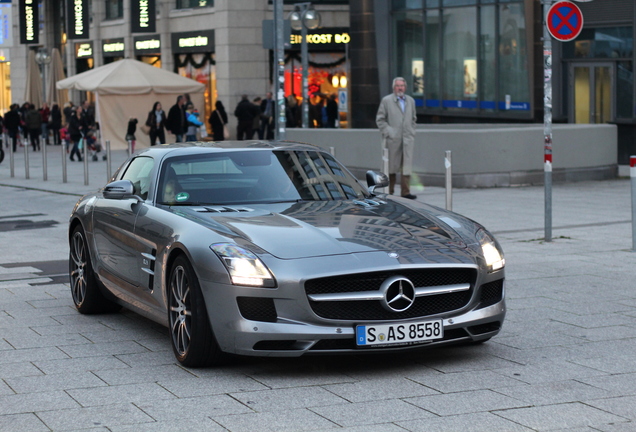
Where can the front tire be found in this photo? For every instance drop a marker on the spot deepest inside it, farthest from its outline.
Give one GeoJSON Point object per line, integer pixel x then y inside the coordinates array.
{"type": "Point", "coordinates": [192, 339]}
{"type": "Point", "coordinates": [85, 290]}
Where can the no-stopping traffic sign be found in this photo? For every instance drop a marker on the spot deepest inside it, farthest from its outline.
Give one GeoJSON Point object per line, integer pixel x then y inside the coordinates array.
{"type": "Point", "coordinates": [564, 21]}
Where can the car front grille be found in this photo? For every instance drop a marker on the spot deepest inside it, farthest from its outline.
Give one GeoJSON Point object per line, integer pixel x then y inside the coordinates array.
{"type": "Point", "coordinates": [369, 310]}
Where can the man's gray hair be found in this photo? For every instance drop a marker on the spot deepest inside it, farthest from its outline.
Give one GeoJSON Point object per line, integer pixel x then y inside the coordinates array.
{"type": "Point", "coordinates": [396, 79]}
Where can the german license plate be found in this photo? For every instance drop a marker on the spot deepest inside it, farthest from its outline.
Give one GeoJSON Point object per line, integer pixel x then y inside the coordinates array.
{"type": "Point", "coordinates": [406, 333]}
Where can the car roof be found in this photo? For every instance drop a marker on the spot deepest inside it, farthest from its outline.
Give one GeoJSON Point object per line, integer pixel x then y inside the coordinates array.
{"type": "Point", "coordinates": [198, 147]}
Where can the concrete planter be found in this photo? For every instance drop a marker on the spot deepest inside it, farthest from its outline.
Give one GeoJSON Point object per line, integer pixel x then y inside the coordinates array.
{"type": "Point", "coordinates": [483, 155]}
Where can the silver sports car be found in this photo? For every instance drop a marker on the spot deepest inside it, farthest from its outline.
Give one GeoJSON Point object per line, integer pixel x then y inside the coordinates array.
{"type": "Point", "coordinates": [275, 249]}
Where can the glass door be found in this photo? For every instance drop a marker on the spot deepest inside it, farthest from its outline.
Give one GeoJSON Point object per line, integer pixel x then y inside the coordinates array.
{"type": "Point", "coordinates": [591, 87]}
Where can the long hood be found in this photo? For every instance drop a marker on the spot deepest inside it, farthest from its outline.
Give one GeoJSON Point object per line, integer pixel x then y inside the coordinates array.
{"type": "Point", "coordinates": [311, 229]}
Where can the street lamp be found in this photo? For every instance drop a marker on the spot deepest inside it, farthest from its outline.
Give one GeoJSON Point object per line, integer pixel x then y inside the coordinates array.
{"type": "Point", "coordinates": [43, 58]}
{"type": "Point", "coordinates": [302, 18]}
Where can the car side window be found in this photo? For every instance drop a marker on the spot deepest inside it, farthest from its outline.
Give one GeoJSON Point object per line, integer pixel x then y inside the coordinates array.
{"type": "Point", "coordinates": [138, 172]}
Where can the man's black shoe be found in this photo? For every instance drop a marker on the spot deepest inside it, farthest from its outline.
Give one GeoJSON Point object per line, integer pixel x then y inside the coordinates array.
{"type": "Point", "coordinates": [409, 196]}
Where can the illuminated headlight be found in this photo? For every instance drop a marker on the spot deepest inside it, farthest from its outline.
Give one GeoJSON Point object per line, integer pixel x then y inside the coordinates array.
{"type": "Point", "coordinates": [244, 267]}
{"type": "Point", "coordinates": [492, 251]}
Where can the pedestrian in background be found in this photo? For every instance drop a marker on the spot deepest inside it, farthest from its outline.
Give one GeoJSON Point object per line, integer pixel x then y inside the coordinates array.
{"type": "Point", "coordinates": [176, 123]}
{"type": "Point", "coordinates": [192, 116]}
{"type": "Point", "coordinates": [68, 111]}
{"type": "Point", "coordinates": [77, 128]}
{"type": "Point", "coordinates": [267, 118]}
{"type": "Point", "coordinates": [218, 121]}
{"type": "Point", "coordinates": [332, 111]}
{"type": "Point", "coordinates": [33, 122]}
{"type": "Point", "coordinates": [156, 121]}
{"type": "Point", "coordinates": [55, 122]}
{"type": "Point", "coordinates": [396, 120]}
{"type": "Point", "coordinates": [131, 128]}
{"type": "Point", "coordinates": [12, 124]}
{"type": "Point", "coordinates": [245, 112]}
{"type": "Point", "coordinates": [45, 113]}
{"type": "Point", "coordinates": [256, 123]}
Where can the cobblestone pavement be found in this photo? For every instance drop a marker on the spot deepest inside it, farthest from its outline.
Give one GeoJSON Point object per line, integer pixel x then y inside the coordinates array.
{"type": "Point", "coordinates": [563, 361]}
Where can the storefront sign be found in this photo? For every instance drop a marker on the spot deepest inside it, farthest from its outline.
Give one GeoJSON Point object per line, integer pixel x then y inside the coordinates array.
{"type": "Point", "coordinates": [113, 47]}
{"type": "Point", "coordinates": [78, 23]}
{"type": "Point", "coordinates": [143, 16]}
{"type": "Point", "coordinates": [6, 24]}
{"type": "Point", "coordinates": [147, 45]}
{"type": "Point", "coordinates": [84, 50]}
{"type": "Point", "coordinates": [29, 22]}
{"type": "Point", "coordinates": [193, 42]}
{"type": "Point", "coordinates": [324, 39]}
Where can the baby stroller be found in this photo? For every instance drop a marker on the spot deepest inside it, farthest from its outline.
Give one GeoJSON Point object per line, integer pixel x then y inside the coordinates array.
{"type": "Point", "coordinates": [94, 146]}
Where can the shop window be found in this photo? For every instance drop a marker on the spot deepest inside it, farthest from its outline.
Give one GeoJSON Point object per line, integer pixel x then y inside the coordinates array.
{"type": "Point", "coordinates": [409, 58]}
{"type": "Point", "coordinates": [612, 42]}
{"type": "Point", "coordinates": [327, 72]}
{"type": "Point", "coordinates": [488, 62]}
{"type": "Point", "coordinates": [432, 64]}
{"type": "Point", "coordinates": [624, 82]}
{"type": "Point", "coordinates": [513, 58]}
{"type": "Point", "coordinates": [406, 4]}
{"type": "Point", "coordinates": [188, 4]}
{"type": "Point", "coordinates": [458, 2]}
{"type": "Point", "coordinates": [114, 9]}
{"type": "Point", "coordinates": [460, 58]}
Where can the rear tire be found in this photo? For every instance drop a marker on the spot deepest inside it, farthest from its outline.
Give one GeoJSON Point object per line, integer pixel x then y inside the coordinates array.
{"type": "Point", "coordinates": [193, 341]}
{"type": "Point", "coordinates": [85, 290]}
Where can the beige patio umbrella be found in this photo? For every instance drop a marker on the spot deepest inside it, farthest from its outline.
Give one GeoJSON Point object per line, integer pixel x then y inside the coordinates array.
{"type": "Point", "coordinates": [56, 73]}
{"type": "Point", "coordinates": [33, 93]}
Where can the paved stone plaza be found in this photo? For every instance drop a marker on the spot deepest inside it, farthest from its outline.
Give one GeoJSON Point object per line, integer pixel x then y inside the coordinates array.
{"type": "Point", "coordinates": [563, 361]}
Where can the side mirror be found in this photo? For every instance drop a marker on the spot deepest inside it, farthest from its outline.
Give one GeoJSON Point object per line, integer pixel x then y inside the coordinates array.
{"type": "Point", "coordinates": [376, 180]}
{"type": "Point", "coordinates": [120, 189]}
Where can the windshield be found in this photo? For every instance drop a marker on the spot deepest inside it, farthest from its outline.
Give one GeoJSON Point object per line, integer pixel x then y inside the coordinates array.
{"type": "Point", "coordinates": [255, 176]}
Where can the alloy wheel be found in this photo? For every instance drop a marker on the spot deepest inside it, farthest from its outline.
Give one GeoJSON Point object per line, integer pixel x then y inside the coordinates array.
{"type": "Point", "coordinates": [78, 263]}
{"type": "Point", "coordinates": [180, 311]}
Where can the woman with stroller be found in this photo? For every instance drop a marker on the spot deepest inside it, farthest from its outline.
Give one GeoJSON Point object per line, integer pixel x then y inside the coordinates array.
{"type": "Point", "coordinates": [156, 121]}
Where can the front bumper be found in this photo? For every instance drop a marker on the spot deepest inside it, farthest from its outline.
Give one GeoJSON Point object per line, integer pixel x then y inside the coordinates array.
{"type": "Point", "coordinates": [289, 327]}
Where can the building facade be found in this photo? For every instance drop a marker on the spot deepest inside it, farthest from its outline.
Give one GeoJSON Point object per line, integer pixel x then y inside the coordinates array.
{"type": "Point", "coordinates": [216, 42]}
{"type": "Point", "coordinates": [470, 61]}
{"type": "Point", "coordinates": [466, 61]}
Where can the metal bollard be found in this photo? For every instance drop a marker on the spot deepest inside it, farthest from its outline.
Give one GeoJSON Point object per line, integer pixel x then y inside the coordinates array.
{"type": "Point", "coordinates": [11, 159]}
{"type": "Point", "coordinates": [64, 145]}
{"type": "Point", "coordinates": [449, 181]}
{"type": "Point", "coordinates": [85, 151]}
{"type": "Point", "coordinates": [108, 162]}
{"type": "Point", "coordinates": [44, 166]}
{"type": "Point", "coordinates": [632, 174]}
{"type": "Point", "coordinates": [332, 151]}
{"type": "Point", "coordinates": [385, 160]}
{"type": "Point", "coordinates": [26, 160]}
{"type": "Point", "coordinates": [129, 148]}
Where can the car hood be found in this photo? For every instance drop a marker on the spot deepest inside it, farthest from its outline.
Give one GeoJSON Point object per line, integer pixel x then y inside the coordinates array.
{"type": "Point", "coordinates": [320, 228]}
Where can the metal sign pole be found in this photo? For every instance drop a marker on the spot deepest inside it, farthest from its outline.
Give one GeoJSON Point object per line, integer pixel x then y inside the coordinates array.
{"type": "Point", "coordinates": [632, 173]}
{"type": "Point", "coordinates": [44, 161]}
{"type": "Point", "coordinates": [279, 76]}
{"type": "Point", "coordinates": [547, 121]}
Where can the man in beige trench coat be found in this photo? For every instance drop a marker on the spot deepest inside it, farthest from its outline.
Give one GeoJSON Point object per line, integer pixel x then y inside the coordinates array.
{"type": "Point", "coordinates": [396, 120]}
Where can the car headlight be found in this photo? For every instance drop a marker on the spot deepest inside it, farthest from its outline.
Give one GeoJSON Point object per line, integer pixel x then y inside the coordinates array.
{"type": "Point", "coordinates": [244, 267]}
{"type": "Point", "coordinates": [492, 251]}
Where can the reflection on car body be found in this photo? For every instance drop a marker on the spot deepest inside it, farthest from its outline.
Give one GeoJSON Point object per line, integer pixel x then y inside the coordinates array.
{"type": "Point", "coordinates": [267, 248]}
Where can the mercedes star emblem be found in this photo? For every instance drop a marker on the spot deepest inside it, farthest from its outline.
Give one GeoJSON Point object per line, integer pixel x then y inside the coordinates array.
{"type": "Point", "coordinates": [399, 294]}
